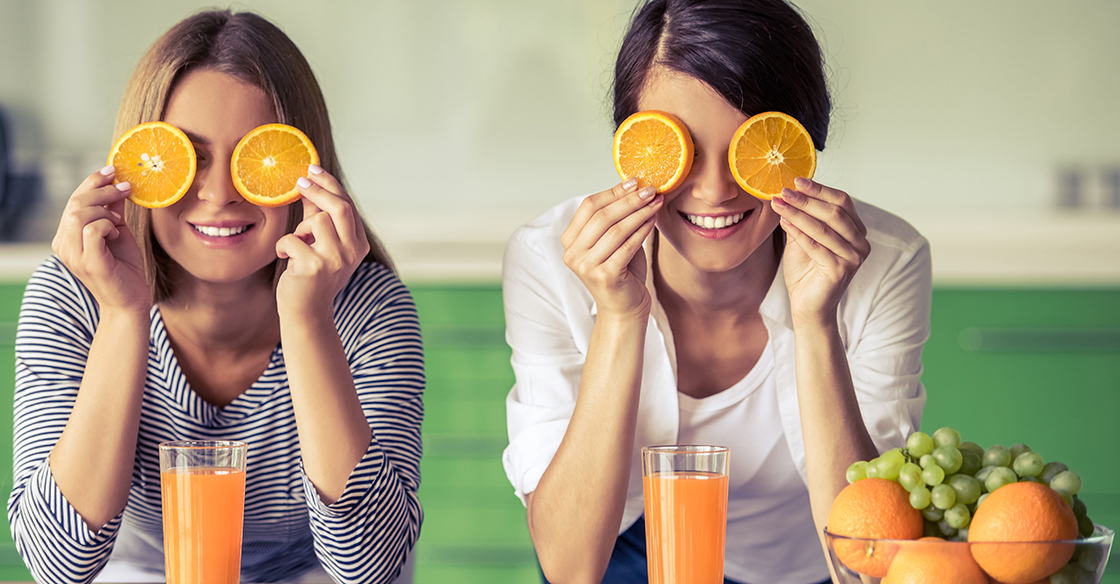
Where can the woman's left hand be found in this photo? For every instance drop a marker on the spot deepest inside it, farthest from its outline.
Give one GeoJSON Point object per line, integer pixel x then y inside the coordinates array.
{"type": "Point", "coordinates": [323, 251]}
{"type": "Point", "coordinates": [826, 242]}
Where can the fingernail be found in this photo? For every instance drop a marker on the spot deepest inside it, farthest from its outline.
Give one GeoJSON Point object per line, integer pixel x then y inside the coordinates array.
{"type": "Point", "coordinates": [790, 195]}
{"type": "Point", "coordinates": [116, 216]}
{"type": "Point", "coordinates": [123, 186]}
{"type": "Point", "coordinates": [802, 182]}
{"type": "Point", "coordinates": [778, 202]}
{"type": "Point", "coordinates": [630, 184]}
{"type": "Point", "coordinates": [108, 170]}
{"type": "Point", "coordinates": [303, 183]}
{"type": "Point", "coordinates": [315, 169]}
{"type": "Point", "coordinates": [647, 192]}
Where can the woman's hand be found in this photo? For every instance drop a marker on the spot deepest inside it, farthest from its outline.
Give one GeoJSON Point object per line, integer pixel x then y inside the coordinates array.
{"type": "Point", "coordinates": [827, 243]}
{"type": "Point", "coordinates": [602, 246]}
{"type": "Point", "coordinates": [95, 244]}
{"type": "Point", "coordinates": [323, 251]}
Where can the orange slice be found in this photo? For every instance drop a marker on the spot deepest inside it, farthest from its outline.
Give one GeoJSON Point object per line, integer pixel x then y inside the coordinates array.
{"type": "Point", "coordinates": [768, 151]}
{"type": "Point", "coordinates": [655, 148]}
{"type": "Point", "coordinates": [268, 161]}
{"type": "Point", "coordinates": [158, 160]}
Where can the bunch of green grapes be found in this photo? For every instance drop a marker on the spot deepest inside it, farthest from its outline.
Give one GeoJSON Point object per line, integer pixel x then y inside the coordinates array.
{"type": "Point", "coordinates": [948, 479]}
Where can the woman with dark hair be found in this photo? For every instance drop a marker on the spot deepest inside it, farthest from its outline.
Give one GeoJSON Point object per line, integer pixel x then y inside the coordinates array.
{"type": "Point", "coordinates": [791, 332]}
{"type": "Point", "coordinates": [216, 319]}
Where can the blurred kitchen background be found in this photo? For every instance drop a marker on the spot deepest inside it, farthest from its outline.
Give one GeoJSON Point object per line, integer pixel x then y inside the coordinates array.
{"type": "Point", "coordinates": [991, 126]}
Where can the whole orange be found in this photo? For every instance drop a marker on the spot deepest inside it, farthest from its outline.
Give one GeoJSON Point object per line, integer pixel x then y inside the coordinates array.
{"type": "Point", "coordinates": [872, 509]}
{"type": "Point", "coordinates": [1022, 512]}
{"type": "Point", "coordinates": [932, 560]}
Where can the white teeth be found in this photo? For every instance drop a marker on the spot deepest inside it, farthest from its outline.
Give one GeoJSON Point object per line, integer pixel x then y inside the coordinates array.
{"type": "Point", "coordinates": [220, 231]}
{"type": "Point", "coordinates": [708, 222]}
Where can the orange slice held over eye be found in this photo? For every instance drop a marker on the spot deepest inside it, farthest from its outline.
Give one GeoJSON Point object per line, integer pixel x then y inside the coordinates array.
{"type": "Point", "coordinates": [158, 160]}
{"type": "Point", "coordinates": [268, 161]}
{"type": "Point", "coordinates": [768, 151]}
{"type": "Point", "coordinates": [655, 148]}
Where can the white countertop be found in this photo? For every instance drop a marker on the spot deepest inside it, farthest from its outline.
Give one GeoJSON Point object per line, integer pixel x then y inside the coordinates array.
{"type": "Point", "coordinates": [1039, 251]}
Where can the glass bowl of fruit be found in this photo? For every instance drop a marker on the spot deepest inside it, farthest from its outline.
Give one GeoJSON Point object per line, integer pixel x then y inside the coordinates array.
{"type": "Point", "coordinates": [931, 560]}
{"type": "Point", "coordinates": [942, 510]}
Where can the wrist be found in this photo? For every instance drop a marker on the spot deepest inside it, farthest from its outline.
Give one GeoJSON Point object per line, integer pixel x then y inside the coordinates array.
{"type": "Point", "coordinates": [823, 321]}
{"type": "Point", "coordinates": [137, 315]}
{"type": "Point", "coordinates": [626, 319]}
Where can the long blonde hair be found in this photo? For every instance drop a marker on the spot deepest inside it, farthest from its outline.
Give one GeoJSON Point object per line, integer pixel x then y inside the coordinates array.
{"type": "Point", "coordinates": [249, 48]}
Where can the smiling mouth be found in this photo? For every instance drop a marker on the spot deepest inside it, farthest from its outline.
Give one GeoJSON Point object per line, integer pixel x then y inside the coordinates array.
{"type": "Point", "coordinates": [708, 222]}
{"type": "Point", "coordinates": [220, 231]}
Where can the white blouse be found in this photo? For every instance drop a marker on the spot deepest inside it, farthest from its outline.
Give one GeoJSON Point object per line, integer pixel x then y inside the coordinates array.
{"type": "Point", "coordinates": [884, 323]}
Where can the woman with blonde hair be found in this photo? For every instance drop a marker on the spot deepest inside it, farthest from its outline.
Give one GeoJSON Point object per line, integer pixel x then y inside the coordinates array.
{"type": "Point", "coordinates": [215, 319]}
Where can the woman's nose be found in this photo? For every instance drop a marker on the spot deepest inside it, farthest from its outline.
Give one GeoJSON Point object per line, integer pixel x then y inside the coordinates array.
{"type": "Point", "coordinates": [712, 181]}
{"type": "Point", "coordinates": [215, 185]}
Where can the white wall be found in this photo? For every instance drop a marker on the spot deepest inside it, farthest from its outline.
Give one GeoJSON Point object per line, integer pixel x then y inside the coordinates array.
{"type": "Point", "coordinates": [456, 120]}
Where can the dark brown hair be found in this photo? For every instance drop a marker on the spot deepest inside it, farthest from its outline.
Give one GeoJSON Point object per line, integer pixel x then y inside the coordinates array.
{"type": "Point", "coordinates": [245, 46]}
{"type": "Point", "coordinates": [760, 55]}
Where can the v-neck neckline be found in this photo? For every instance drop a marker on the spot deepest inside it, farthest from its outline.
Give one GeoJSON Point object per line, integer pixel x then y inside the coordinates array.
{"type": "Point", "coordinates": [273, 379]}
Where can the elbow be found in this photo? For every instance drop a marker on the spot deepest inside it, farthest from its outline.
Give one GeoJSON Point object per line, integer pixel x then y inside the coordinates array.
{"type": "Point", "coordinates": [567, 560]}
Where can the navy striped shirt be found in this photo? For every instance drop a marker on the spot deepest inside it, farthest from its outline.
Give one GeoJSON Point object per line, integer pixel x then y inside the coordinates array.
{"type": "Point", "coordinates": [362, 537]}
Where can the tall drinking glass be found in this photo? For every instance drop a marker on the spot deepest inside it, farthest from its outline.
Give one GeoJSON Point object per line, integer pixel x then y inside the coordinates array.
{"type": "Point", "coordinates": [686, 513]}
{"type": "Point", "coordinates": [203, 488]}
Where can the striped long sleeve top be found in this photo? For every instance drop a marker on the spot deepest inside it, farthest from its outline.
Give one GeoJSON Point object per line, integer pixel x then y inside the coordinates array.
{"type": "Point", "coordinates": [362, 537]}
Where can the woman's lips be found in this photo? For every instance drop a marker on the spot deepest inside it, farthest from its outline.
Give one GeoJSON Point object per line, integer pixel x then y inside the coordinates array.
{"type": "Point", "coordinates": [715, 226]}
{"type": "Point", "coordinates": [221, 235]}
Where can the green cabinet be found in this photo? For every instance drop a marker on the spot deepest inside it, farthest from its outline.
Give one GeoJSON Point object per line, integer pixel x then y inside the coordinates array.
{"type": "Point", "coordinates": [1040, 367]}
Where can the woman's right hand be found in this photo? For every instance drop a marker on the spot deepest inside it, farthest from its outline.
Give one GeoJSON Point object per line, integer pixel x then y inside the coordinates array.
{"type": "Point", "coordinates": [96, 245]}
{"type": "Point", "coordinates": [602, 246]}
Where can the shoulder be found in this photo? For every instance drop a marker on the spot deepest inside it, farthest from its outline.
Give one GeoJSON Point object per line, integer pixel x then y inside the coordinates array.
{"type": "Point", "coordinates": [373, 296]}
{"type": "Point", "coordinates": [373, 282]}
{"type": "Point", "coordinates": [541, 236]}
{"type": "Point", "coordinates": [889, 233]}
{"type": "Point", "coordinates": [54, 288]}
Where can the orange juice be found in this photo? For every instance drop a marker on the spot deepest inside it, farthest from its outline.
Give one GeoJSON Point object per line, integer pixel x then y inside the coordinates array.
{"type": "Point", "coordinates": [202, 513]}
{"type": "Point", "coordinates": [686, 526]}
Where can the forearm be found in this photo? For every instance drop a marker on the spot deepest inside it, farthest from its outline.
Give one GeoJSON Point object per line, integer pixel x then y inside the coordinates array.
{"type": "Point", "coordinates": [333, 431]}
{"type": "Point", "coordinates": [93, 459]}
{"type": "Point", "coordinates": [576, 510]}
{"type": "Point", "coordinates": [832, 427]}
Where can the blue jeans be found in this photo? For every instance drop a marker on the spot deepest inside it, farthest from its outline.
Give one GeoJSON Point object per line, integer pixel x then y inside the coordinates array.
{"type": "Point", "coordinates": [628, 559]}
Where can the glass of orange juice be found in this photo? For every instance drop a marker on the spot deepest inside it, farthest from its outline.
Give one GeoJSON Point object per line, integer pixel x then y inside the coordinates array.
{"type": "Point", "coordinates": [686, 512]}
{"type": "Point", "coordinates": [203, 488]}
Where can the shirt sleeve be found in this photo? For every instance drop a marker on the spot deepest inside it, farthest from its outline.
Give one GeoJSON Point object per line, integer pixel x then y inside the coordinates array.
{"type": "Point", "coordinates": [56, 324]}
{"type": "Point", "coordinates": [886, 355]}
{"type": "Point", "coordinates": [547, 359]}
{"type": "Point", "coordinates": [366, 534]}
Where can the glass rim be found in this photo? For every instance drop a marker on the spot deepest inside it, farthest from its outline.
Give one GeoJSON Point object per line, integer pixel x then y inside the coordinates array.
{"type": "Point", "coordinates": [1101, 534]}
{"type": "Point", "coordinates": [202, 444]}
{"type": "Point", "coordinates": [685, 449]}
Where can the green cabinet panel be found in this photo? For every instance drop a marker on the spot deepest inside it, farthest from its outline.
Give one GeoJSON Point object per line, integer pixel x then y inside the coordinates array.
{"type": "Point", "coordinates": [1041, 367]}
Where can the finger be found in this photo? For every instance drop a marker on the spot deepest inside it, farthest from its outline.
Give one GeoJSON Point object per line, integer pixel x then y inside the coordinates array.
{"type": "Point", "coordinates": [605, 219]}
{"type": "Point", "coordinates": [835, 217]}
{"type": "Point", "coordinates": [621, 258]}
{"type": "Point", "coordinates": [619, 234]}
{"type": "Point", "coordinates": [294, 248]}
{"type": "Point", "coordinates": [324, 231]}
{"type": "Point", "coordinates": [326, 181]}
{"type": "Point", "coordinates": [75, 223]}
{"type": "Point", "coordinates": [339, 208]}
{"type": "Point", "coordinates": [818, 231]}
{"type": "Point", "coordinates": [97, 180]}
{"type": "Point", "coordinates": [592, 204]}
{"type": "Point", "coordinates": [832, 196]}
{"type": "Point", "coordinates": [101, 196]}
{"type": "Point", "coordinates": [94, 248]}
